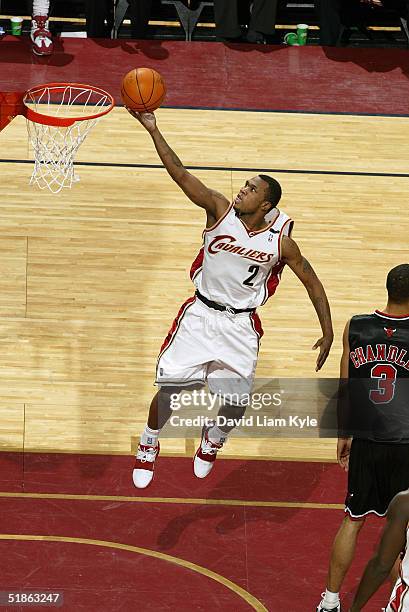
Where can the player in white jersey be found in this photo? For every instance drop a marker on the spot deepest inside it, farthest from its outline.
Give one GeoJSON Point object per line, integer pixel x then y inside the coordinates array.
{"type": "Point", "coordinates": [394, 542]}
{"type": "Point", "coordinates": [215, 337]}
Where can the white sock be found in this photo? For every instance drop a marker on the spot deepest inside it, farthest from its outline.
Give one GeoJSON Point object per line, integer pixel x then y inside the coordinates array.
{"type": "Point", "coordinates": [41, 7]}
{"type": "Point", "coordinates": [331, 600]}
{"type": "Point", "coordinates": [216, 435]}
{"type": "Point", "coordinates": [150, 436]}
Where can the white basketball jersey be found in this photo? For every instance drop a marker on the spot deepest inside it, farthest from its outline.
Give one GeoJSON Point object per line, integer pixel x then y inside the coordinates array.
{"type": "Point", "coordinates": [237, 267]}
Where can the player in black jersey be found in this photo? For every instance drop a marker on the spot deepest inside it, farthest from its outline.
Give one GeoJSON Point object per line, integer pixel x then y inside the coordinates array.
{"type": "Point", "coordinates": [375, 361]}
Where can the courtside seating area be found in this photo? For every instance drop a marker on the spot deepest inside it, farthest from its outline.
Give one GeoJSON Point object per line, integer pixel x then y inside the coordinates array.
{"type": "Point", "coordinates": [194, 20]}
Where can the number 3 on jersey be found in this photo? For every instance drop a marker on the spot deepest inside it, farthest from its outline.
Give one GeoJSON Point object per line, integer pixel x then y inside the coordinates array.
{"type": "Point", "coordinates": [386, 377]}
{"type": "Point", "coordinates": [253, 273]}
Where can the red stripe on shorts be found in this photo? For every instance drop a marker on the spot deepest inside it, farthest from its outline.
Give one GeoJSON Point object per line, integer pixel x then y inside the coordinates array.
{"type": "Point", "coordinates": [175, 324]}
{"type": "Point", "coordinates": [256, 324]}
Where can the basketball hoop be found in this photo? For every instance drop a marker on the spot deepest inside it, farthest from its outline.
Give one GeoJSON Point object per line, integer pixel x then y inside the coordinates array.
{"type": "Point", "coordinates": [59, 117]}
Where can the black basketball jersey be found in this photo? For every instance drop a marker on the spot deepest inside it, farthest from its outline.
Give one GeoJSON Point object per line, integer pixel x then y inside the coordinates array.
{"type": "Point", "coordinates": [379, 376]}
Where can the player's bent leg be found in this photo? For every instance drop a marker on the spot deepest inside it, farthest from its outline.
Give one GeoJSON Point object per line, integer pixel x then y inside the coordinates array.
{"type": "Point", "coordinates": [149, 447]}
{"type": "Point", "coordinates": [231, 377]}
{"type": "Point", "coordinates": [342, 554]}
{"type": "Point", "coordinates": [213, 438]}
{"type": "Point", "coordinates": [182, 363]}
{"type": "Point", "coordinates": [343, 551]}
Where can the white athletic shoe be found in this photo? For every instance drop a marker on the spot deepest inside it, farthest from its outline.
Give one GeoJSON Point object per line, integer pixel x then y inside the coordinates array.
{"type": "Point", "coordinates": [42, 41]}
{"type": "Point", "coordinates": [143, 471]}
{"type": "Point", "coordinates": [320, 607]}
{"type": "Point", "coordinates": [205, 454]}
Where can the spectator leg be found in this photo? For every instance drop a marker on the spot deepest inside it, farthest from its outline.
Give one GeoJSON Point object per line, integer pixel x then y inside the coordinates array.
{"type": "Point", "coordinates": [226, 18]}
{"type": "Point", "coordinates": [140, 14]}
{"type": "Point", "coordinates": [96, 11]}
{"type": "Point", "coordinates": [331, 28]}
{"type": "Point", "coordinates": [263, 16]}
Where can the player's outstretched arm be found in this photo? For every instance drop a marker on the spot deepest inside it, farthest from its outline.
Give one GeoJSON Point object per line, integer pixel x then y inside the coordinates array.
{"type": "Point", "coordinates": [291, 255]}
{"type": "Point", "coordinates": [212, 201]}
{"type": "Point", "coordinates": [392, 543]}
{"type": "Point", "coordinates": [344, 444]}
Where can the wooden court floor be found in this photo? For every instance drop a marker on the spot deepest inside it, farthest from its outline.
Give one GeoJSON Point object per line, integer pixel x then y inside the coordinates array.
{"type": "Point", "coordinates": [90, 279]}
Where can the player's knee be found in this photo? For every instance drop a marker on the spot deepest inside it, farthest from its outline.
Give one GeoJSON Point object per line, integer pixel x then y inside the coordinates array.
{"type": "Point", "coordinates": [354, 524]}
{"type": "Point", "coordinates": [233, 411]}
{"type": "Point", "coordinates": [168, 397]}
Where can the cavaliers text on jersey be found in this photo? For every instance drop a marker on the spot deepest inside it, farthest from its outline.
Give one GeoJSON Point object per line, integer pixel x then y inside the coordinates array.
{"type": "Point", "coordinates": [237, 267]}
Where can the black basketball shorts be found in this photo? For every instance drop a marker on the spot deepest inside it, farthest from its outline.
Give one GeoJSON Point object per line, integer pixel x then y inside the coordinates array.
{"type": "Point", "coordinates": [377, 472]}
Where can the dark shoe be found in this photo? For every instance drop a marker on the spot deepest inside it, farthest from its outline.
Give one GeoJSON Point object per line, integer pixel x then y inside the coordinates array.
{"type": "Point", "coordinates": [256, 38]}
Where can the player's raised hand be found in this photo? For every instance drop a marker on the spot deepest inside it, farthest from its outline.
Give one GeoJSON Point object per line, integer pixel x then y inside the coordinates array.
{"type": "Point", "coordinates": [148, 120]}
{"type": "Point", "coordinates": [324, 345]}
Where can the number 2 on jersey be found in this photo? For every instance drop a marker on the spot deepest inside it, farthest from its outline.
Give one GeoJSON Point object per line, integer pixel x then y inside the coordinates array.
{"type": "Point", "coordinates": [253, 270]}
{"type": "Point", "coordinates": [386, 377]}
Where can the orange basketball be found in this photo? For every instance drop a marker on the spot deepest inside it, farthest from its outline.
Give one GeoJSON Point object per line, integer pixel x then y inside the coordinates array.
{"type": "Point", "coordinates": [143, 89]}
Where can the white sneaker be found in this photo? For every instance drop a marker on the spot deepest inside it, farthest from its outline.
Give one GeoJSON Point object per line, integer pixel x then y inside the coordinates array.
{"type": "Point", "coordinates": [320, 607]}
{"type": "Point", "coordinates": [205, 455]}
{"type": "Point", "coordinates": [42, 41]}
{"type": "Point", "coordinates": [143, 471]}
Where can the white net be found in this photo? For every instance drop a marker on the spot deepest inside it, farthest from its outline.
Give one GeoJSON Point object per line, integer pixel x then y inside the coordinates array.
{"type": "Point", "coordinates": [55, 146]}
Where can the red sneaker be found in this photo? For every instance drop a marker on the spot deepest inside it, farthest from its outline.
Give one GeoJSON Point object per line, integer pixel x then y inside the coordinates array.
{"type": "Point", "coordinates": [42, 41]}
{"type": "Point", "coordinates": [142, 474]}
{"type": "Point", "coordinates": [205, 454]}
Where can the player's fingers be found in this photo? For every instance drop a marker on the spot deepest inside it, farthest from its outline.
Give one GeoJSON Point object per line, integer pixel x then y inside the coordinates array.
{"type": "Point", "coordinates": [323, 360]}
{"type": "Point", "coordinates": [133, 113]}
{"type": "Point", "coordinates": [343, 462]}
{"type": "Point", "coordinates": [317, 344]}
{"type": "Point", "coordinates": [320, 361]}
{"type": "Point", "coordinates": [341, 459]}
{"type": "Point", "coordinates": [322, 357]}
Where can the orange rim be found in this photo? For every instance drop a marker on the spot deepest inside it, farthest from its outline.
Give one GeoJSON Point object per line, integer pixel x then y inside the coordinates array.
{"type": "Point", "coordinates": [44, 119]}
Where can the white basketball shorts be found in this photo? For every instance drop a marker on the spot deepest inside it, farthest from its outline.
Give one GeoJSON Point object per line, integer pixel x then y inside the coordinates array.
{"type": "Point", "coordinates": [207, 345]}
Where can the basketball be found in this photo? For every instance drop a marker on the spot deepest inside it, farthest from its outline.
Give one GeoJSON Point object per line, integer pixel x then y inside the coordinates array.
{"type": "Point", "coordinates": [143, 90]}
